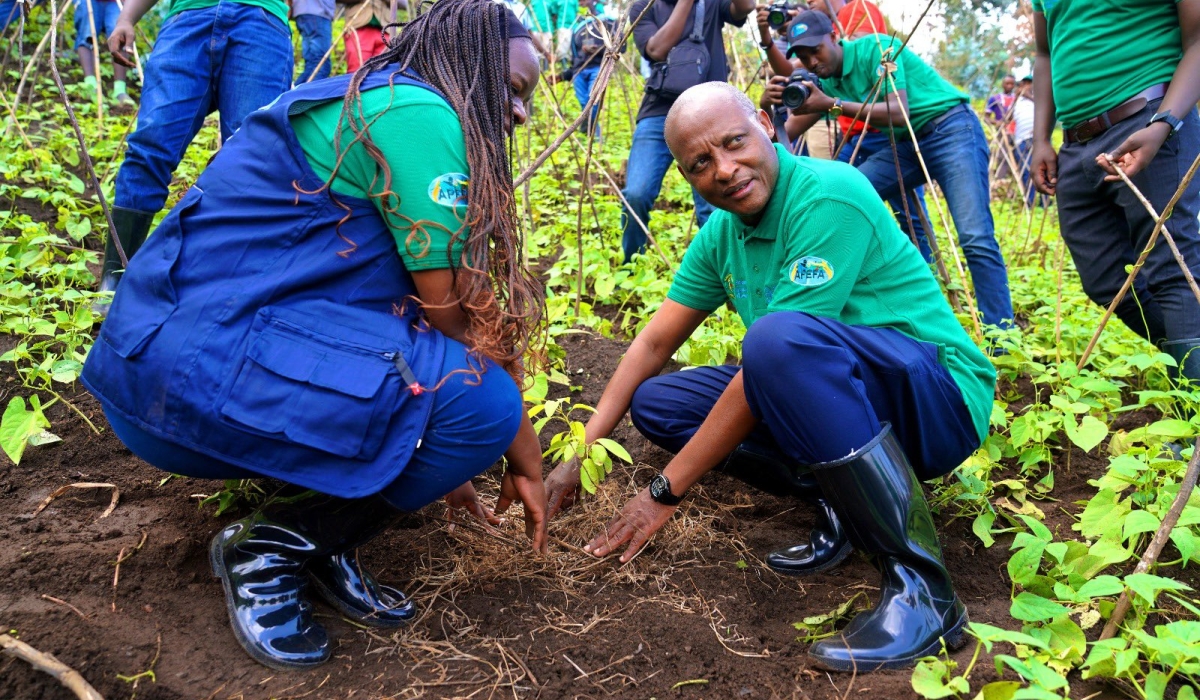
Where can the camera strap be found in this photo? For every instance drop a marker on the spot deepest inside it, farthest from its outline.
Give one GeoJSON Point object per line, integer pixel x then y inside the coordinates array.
{"type": "Point", "coordinates": [698, 26]}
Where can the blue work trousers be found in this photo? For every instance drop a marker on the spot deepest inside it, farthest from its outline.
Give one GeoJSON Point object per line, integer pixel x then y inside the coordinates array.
{"type": "Point", "coordinates": [316, 36]}
{"type": "Point", "coordinates": [583, 82]}
{"type": "Point", "coordinates": [956, 153]}
{"type": "Point", "coordinates": [649, 159]}
{"type": "Point", "coordinates": [821, 390]}
{"type": "Point", "coordinates": [1106, 228]}
{"type": "Point", "coordinates": [470, 427]}
{"type": "Point", "coordinates": [230, 57]}
{"type": "Point", "coordinates": [868, 144]}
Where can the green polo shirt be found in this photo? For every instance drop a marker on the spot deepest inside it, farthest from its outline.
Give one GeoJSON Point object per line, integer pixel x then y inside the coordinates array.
{"type": "Point", "coordinates": [1103, 52]}
{"type": "Point", "coordinates": [828, 246]}
{"type": "Point", "coordinates": [929, 94]}
{"type": "Point", "coordinates": [277, 8]}
{"type": "Point", "coordinates": [421, 139]}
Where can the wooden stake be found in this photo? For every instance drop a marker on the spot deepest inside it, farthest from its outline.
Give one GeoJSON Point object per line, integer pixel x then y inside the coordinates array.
{"type": "Point", "coordinates": [46, 663]}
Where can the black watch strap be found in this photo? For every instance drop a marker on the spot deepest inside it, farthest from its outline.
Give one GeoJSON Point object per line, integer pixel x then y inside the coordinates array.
{"type": "Point", "coordinates": [1171, 120]}
{"type": "Point", "coordinates": [660, 491]}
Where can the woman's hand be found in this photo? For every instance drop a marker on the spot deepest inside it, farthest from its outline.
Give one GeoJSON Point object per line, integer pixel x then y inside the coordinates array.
{"type": "Point", "coordinates": [529, 490]}
{"type": "Point", "coordinates": [464, 499]}
{"type": "Point", "coordinates": [562, 487]}
{"type": "Point", "coordinates": [641, 517]}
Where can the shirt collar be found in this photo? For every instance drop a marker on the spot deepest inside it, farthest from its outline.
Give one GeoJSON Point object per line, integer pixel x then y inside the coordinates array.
{"type": "Point", "coordinates": [768, 228]}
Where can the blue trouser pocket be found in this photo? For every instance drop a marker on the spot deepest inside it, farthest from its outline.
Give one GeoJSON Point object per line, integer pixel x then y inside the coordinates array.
{"type": "Point", "coordinates": [309, 380]}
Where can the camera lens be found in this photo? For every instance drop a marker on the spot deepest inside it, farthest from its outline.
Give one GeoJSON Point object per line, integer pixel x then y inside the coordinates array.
{"type": "Point", "coordinates": [776, 18]}
{"type": "Point", "coordinates": [794, 94]}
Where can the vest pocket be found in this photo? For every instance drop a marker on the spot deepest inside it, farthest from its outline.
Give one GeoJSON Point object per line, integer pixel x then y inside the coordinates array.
{"type": "Point", "coordinates": [302, 383]}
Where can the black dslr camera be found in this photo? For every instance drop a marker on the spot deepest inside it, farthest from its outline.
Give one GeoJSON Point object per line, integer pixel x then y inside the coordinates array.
{"type": "Point", "coordinates": [795, 92]}
{"type": "Point", "coordinates": [777, 14]}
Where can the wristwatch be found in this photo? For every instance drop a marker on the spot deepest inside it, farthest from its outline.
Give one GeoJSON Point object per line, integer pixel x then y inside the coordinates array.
{"type": "Point", "coordinates": [767, 46]}
{"type": "Point", "coordinates": [1171, 120]}
{"type": "Point", "coordinates": [836, 110]}
{"type": "Point", "coordinates": [660, 491]}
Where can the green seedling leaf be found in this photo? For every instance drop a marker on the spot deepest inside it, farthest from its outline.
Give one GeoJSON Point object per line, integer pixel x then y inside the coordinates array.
{"type": "Point", "coordinates": [1171, 428]}
{"type": "Point", "coordinates": [1067, 641]}
{"type": "Point", "coordinates": [933, 679]}
{"type": "Point", "coordinates": [1148, 586]}
{"type": "Point", "coordinates": [999, 690]}
{"type": "Point", "coordinates": [1039, 530]}
{"type": "Point", "coordinates": [1140, 521]}
{"type": "Point", "coordinates": [1089, 433]}
{"type": "Point", "coordinates": [1028, 607]}
{"type": "Point", "coordinates": [19, 424]}
{"type": "Point", "coordinates": [1185, 542]}
{"type": "Point", "coordinates": [615, 448]}
{"type": "Point", "coordinates": [989, 635]}
{"type": "Point", "coordinates": [982, 527]}
{"type": "Point", "coordinates": [1099, 587]}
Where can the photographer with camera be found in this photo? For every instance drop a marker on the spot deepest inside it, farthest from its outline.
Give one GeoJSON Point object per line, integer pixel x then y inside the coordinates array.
{"type": "Point", "coordinates": [953, 145]}
{"type": "Point", "coordinates": [682, 41]}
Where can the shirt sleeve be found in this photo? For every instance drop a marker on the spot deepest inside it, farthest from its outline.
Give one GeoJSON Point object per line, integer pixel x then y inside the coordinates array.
{"type": "Point", "coordinates": [697, 284]}
{"type": "Point", "coordinates": [825, 247]}
{"type": "Point", "coordinates": [429, 178]}
{"type": "Point", "coordinates": [645, 29]}
{"type": "Point", "coordinates": [727, 14]}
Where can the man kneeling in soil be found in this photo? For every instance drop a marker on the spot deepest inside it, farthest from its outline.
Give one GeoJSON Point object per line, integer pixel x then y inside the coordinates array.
{"type": "Point", "coordinates": [856, 378]}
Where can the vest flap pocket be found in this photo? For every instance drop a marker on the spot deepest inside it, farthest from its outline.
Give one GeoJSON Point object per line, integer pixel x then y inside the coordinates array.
{"type": "Point", "coordinates": [306, 388]}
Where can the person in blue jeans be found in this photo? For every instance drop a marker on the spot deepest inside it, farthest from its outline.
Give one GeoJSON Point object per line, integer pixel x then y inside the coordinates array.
{"type": "Point", "coordinates": [100, 15]}
{"type": "Point", "coordinates": [314, 21]}
{"type": "Point", "coordinates": [232, 56]}
{"type": "Point", "coordinates": [587, 50]}
{"type": "Point", "coordinates": [658, 31]}
{"type": "Point", "coordinates": [952, 141]}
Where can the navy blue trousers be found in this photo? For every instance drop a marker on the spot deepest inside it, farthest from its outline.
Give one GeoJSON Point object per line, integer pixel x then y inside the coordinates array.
{"type": "Point", "coordinates": [821, 390]}
{"type": "Point", "coordinates": [470, 427]}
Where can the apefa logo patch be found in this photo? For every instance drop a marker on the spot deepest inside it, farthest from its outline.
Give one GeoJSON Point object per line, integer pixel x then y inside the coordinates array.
{"type": "Point", "coordinates": [798, 29]}
{"type": "Point", "coordinates": [810, 271]}
{"type": "Point", "coordinates": [449, 190]}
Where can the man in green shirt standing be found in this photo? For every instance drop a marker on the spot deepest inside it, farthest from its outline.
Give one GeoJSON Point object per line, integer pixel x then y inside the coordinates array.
{"type": "Point", "coordinates": [230, 56]}
{"type": "Point", "coordinates": [950, 136]}
{"type": "Point", "coordinates": [856, 380]}
{"type": "Point", "coordinates": [1142, 113]}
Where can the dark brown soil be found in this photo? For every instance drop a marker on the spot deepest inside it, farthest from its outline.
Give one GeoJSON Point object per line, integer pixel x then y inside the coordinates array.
{"type": "Point", "coordinates": [499, 634]}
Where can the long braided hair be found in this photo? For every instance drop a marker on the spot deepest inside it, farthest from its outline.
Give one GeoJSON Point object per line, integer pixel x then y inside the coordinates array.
{"type": "Point", "coordinates": [460, 47]}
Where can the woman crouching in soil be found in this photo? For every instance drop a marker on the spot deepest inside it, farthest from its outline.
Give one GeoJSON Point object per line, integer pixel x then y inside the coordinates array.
{"type": "Point", "coordinates": [327, 306]}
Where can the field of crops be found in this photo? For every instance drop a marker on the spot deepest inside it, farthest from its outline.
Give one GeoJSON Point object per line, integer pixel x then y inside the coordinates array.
{"type": "Point", "coordinates": [104, 561]}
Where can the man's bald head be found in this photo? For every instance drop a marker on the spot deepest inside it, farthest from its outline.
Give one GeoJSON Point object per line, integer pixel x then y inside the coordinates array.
{"type": "Point", "coordinates": [722, 145]}
{"type": "Point", "coordinates": [705, 101]}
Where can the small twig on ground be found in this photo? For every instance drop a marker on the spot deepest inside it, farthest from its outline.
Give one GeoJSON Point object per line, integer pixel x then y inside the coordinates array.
{"type": "Point", "coordinates": [1159, 540]}
{"type": "Point", "coordinates": [117, 568]}
{"type": "Point", "coordinates": [82, 485]}
{"type": "Point", "coordinates": [46, 663]}
{"type": "Point", "coordinates": [59, 601]}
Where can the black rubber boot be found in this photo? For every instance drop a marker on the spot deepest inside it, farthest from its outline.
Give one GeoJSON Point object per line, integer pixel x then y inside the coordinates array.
{"type": "Point", "coordinates": [265, 562]}
{"type": "Point", "coordinates": [132, 228]}
{"type": "Point", "coordinates": [885, 514]}
{"type": "Point", "coordinates": [828, 545]}
{"type": "Point", "coordinates": [1187, 355]}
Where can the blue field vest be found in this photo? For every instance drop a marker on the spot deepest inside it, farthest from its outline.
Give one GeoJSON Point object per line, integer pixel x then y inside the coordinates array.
{"type": "Point", "coordinates": [270, 328]}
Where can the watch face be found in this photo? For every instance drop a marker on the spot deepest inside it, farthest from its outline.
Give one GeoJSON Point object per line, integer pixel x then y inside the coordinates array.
{"type": "Point", "coordinates": [659, 487]}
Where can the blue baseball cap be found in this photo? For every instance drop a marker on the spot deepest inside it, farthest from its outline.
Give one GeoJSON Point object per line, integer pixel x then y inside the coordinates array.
{"type": "Point", "coordinates": [809, 29]}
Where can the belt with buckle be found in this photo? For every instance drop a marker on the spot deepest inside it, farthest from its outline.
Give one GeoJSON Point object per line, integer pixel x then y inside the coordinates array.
{"type": "Point", "coordinates": [1087, 130]}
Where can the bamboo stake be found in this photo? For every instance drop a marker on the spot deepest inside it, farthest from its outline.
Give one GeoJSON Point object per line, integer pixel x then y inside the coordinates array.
{"type": "Point", "coordinates": [96, 65]}
{"type": "Point", "coordinates": [46, 663]}
{"type": "Point", "coordinates": [36, 52]}
{"type": "Point", "coordinates": [87, 157]}
{"type": "Point", "coordinates": [1158, 541]}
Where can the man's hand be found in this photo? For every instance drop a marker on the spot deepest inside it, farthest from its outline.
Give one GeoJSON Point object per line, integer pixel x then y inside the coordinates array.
{"type": "Point", "coordinates": [531, 492]}
{"type": "Point", "coordinates": [464, 499]}
{"type": "Point", "coordinates": [562, 487]}
{"type": "Point", "coordinates": [773, 94]}
{"type": "Point", "coordinates": [1044, 164]}
{"type": "Point", "coordinates": [1136, 152]}
{"type": "Point", "coordinates": [764, 27]}
{"type": "Point", "coordinates": [120, 44]}
{"type": "Point", "coordinates": [641, 517]}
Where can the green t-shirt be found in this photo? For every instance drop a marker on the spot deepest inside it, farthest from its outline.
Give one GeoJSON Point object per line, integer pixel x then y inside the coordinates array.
{"type": "Point", "coordinates": [421, 138]}
{"type": "Point", "coordinates": [929, 94]}
{"type": "Point", "coordinates": [1088, 39]}
{"type": "Point", "coordinates": [278, 8]}
{"type": "Point", "coordinates": [828, 246]}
